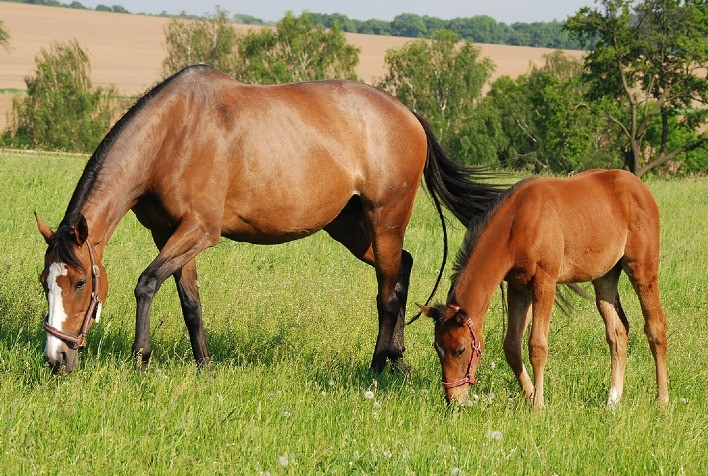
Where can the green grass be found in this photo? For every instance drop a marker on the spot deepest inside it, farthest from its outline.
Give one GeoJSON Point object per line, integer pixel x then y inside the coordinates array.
{"type": "Point", "coordinates": [292, 329]}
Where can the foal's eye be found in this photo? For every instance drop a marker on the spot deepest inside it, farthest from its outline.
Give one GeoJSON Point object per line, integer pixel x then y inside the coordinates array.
{"type": "Point", "coordinates": [80, 283]}
{"type": "Point", "coordinates": [460, 351]}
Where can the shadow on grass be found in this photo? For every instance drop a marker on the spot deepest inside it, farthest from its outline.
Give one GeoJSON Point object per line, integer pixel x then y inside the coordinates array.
{"type": "Point", "coordinates": [22, 335]}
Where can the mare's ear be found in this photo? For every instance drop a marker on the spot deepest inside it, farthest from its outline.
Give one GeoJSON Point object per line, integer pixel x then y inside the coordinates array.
{"type": "Point", "coordinates": [80, 230]}
{"type": "Point", "coordinates": [429, 311]}
{"type": "Point", "coordinates": [44, 229]}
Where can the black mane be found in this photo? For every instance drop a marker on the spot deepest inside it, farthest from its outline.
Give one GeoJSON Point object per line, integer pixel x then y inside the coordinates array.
{"type": "Point", "coordinates": [477, 225]}
{"type": "Point", "coordinates": [62, 247]}
{"type": "Point", "coordinates": [89, 177]}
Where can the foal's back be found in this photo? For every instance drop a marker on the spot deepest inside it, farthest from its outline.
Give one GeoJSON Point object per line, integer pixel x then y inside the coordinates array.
{"type": "Point", "coordinates": [580, 227]}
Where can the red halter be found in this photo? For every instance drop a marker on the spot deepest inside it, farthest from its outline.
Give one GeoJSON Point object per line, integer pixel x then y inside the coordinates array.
{"type": "Point", "coordinates": [472, 366]}
{"type": "Point", "coordinates": [79, 342]}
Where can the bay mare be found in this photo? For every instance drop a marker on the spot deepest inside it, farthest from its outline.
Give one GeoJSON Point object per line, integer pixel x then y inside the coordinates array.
{"type": "Point", "coordinates": [202, 156]}
{"type": "Point", "coordinates": [543, 232]}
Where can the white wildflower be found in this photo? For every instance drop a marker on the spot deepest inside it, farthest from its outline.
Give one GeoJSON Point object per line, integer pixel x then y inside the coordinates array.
{"type": "Point", "coordinates": [494, 435]}
{"type": "Point", "coordinates": [368, 395]}
{"type": "Point", "coordinates": [283, 461]}
{"type": "Point", "coordinates": [455, 471]}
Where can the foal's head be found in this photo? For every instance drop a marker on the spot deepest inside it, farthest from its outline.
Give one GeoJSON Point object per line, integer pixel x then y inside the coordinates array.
{"type": "Point", "coordinates": [459, 348]}
{"type": "Point", "coordinates": [75, 284]}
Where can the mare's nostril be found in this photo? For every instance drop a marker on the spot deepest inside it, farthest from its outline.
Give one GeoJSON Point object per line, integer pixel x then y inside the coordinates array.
{"type": "Point", "coordinates": [62, 360]}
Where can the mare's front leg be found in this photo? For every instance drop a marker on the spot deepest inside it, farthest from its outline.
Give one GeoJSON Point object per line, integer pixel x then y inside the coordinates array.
{"type": "Point", "coordinates": [544, 293]}
{"type": "Point", "coordinates": [190, 237]}
{"type": "Point", "coordinates": [519, 304]}
{"type": "Point", "coordinates": [188, 290]}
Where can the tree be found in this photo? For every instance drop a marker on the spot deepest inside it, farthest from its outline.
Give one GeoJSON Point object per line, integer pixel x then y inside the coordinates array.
{"type": "Point", "coordinates": [410, 25]}
{"type": "Point", "coordinates": [651, 60]}
{"type": "Point", "coordinates": [546, 120]}
{"type": "Point", "coordinates": [61, 109]}
{"type": "Point", "coordinates": [442, 80]}
{"type": "Point", "coordinates": [297, 49]}
{"type": "Point", "coordinates": [209, 42]}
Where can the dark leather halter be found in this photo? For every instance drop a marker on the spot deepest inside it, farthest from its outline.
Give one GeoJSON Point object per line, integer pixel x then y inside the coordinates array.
{"type": "Point", "coordinates": [472, 366]}
{"type": "Point", "coordinates": [79, 342]}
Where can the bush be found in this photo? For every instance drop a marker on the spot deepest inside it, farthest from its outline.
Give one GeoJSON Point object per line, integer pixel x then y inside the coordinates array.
{"type": "Point", "coordinates": [61, 110]}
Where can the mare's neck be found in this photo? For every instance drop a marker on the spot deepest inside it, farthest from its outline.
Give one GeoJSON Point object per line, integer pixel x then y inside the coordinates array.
{"type": "Point", "coordinates": [119, 182]}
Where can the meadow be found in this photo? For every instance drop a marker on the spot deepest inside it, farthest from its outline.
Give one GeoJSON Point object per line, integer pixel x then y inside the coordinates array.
{"type": "Point", "coordinates": [291, 329]}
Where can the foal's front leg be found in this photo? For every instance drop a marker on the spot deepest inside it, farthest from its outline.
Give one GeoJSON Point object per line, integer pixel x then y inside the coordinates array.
{"type": "Point", "coordinates": [544, 293]}
{"type": "Point", "coordinates": [519, 304]}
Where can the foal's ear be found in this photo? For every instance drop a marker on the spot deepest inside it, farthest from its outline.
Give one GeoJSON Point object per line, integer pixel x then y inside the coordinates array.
{"type": "Point", "coordinates": [458, 313]}
{"type": "Point", "coordinates": [429, 311]}
{"type": "Point", "coordinates": [44, 229]}
{"type": "Point", "coordinates": [80, 230]}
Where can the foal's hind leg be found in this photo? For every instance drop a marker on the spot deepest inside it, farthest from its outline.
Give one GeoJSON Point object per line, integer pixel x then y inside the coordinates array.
{"type": "Point", "coordinates": [643, 275]}
{"type": "Point", "coordinates": [616, 329]}
{"type": "Point", "coordinates": [519, 303]}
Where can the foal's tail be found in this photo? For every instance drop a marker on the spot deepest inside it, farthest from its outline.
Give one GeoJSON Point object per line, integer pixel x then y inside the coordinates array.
{"type": "Point", "coordinates": [453, 185]}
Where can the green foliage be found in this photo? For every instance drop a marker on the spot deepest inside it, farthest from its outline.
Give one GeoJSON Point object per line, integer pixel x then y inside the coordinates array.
{"type": "Point", "coordinates": [209, 42]}
{"type": "Point", "coordinates": [479, 29]}
{"type": "Point", "coordinates": [650, 58]}
{"type": "Point", "coordinates": [292, 328]}
{"type": "Point", "coordinates": [61, 110]}
{"type": "Point", "coordinates": [4, 36]}
{"type": "Point", "coordinates": [547, 122]}
{"type": "Point", "coordinates": [443, 82]}
{"type": "Point", "coordinates": [297, 49]}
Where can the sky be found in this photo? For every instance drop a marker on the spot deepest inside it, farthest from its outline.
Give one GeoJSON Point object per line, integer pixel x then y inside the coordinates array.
{"type": "Point", "coordinates": [505, 11]}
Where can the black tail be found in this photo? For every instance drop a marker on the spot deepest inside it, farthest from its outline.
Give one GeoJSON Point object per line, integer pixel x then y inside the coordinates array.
{"type": "Point", "coordinates": [453, 185]}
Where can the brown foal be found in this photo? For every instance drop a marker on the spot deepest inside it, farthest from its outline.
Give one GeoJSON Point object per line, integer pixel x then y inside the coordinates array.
{"type": "Point", "coordinates": [543, 232]}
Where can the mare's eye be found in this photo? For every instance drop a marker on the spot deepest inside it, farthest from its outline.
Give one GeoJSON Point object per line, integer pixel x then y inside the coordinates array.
{"type": "Point", "coordinates": [80, 283]}
{"type": "Point", "coordinates": [460, 351]}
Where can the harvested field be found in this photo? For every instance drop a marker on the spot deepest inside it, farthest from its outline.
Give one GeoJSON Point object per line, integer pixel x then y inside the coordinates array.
{"type": "Point", "coordinates": [127, 50]}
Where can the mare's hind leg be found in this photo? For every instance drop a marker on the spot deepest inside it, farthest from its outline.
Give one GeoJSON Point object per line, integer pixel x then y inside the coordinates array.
{"type": "Point", "coordinates": [616, 329]}
{"type": "Point", "coordinates": [643, 274]}
{"type": "Point", "coordinates": [519, 303]}
{"type": "Point", "coordinates": [351, 228]}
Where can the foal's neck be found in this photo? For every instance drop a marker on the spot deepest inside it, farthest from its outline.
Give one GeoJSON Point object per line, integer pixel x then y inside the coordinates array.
{"type": "Point", "coordinates": [485, 269]}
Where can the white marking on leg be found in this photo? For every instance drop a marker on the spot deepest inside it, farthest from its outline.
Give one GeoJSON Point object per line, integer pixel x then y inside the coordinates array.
{"type": "Point", "coordinates": [614, 398]}
{"type": "Point", "coordinates": [57, 315]}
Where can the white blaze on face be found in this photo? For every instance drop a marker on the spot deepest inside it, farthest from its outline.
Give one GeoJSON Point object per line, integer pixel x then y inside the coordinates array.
{"type": "Point", "coordinates": [440, 350]}
{"type": "Point", "coordinates": [57, 315]}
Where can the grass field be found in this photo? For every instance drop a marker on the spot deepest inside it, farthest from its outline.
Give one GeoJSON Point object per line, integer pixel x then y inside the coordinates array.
{"type": "Point", "coordinates": [292, 329]}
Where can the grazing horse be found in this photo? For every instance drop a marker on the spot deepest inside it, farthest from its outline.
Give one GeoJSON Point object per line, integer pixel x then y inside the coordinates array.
{"type": "Point", "coordinates": [542, 232]}
{"type": "Point", "coordinates": [202, 156]}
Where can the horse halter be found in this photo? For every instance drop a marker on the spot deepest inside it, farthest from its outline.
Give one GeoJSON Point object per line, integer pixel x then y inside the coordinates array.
{"type": "Point", "coordinates": [472, 366]}
{"type": "Point", "coordinates": [79, 342]}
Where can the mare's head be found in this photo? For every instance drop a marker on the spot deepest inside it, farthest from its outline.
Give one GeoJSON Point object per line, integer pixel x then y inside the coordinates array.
{"type": "Point", "coordinates": [459, 348]}
{"type": "Point", "coordinates": [75, 284]}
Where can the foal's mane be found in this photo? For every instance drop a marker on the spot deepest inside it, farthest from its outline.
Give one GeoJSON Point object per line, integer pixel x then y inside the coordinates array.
{"type": "Point", "coordinates": [478, 224]}
{"type": "Point", "coordinates": [62, 241]}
